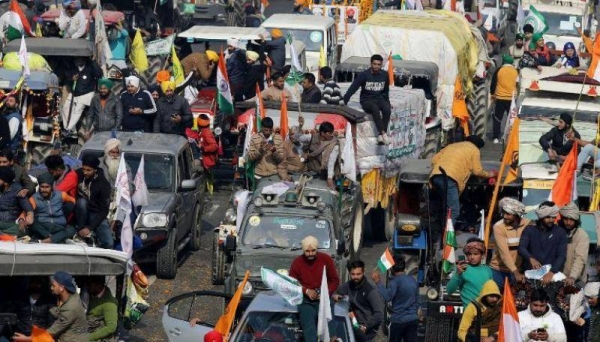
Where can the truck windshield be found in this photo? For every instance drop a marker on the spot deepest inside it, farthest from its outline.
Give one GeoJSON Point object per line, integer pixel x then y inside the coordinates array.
{"type": "Point", "coordinates": [284, 231]}
{"type": "Point", "coordinates": [312, 39]}
{"type": "Point", "coordinates": [560, 24]}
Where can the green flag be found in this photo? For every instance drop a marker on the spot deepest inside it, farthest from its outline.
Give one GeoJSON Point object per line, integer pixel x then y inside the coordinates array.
{"type": "Point", "coordinates": [537, 20]}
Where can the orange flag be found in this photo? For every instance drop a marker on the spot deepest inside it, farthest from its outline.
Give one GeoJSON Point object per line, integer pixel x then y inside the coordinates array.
{"type": "Point", "coordinates": [226, 320]}
{"type": "Point", "coordinates": [284, 126]}
{"type": "Point", "coordinates": [459, 106]}
{"type": "Point", "coordinates": [594, 69]}
{"type": "Point", "coordinates": [510, 329]}
{"type": "Point", "coordinates": [564, 189]}
{"type": "Point", "coordinates": [261, 104]}
{"type": "Point", "coordinates": [40, 335]}
{"type": "Point", "coordinates": [511, 154]}
{"type": "Point", "coordinates": [390, 69]}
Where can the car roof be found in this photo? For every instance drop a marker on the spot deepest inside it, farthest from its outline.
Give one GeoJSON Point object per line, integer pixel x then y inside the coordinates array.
{"type": "Point", "coordinates": [270, 301]}
{"type": "Point", "coordinates": [224, 32]}
{"type": "Point", "coordinates": [316, 185]}
{"type": "Point", "coordinates": [53, 46]}
{"type": "Point", "coordinates": [138, 142]}
{"type": "Point", "coordinates": [110, 17]}
{"type": "Point", "coordinates": [298, 22]}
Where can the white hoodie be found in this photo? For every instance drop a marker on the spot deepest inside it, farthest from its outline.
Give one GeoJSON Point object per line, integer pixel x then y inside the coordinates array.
{"type": "Point", "coordinates": [551, 321]}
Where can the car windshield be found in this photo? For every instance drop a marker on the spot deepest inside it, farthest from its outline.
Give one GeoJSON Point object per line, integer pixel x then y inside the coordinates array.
{"type": "Point", "coordinates": [283, 326]}
{"type": "Point", "coordinates": [284, 231]}
{"type": "Point", "coordinates": [312, 39]}
{"type": "Point", "coordinates": [560, 24]}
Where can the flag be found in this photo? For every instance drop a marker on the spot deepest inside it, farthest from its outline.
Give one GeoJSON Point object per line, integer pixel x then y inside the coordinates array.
{"type": "Point", "coordinates": [386, 261]}
{"type": "Point", "coordinates": [103, 52]}
{"type": "Point", "coordinates": [287, 287]}
{"type": "Point", "coordinates": [40, 335]}
{"type": "Point", "coordinates": [24, 57]}
{"type": "Point", "coordinates": [284, 126]}
{"type": "Point", "coordinates": [324, 315]}
{"type": "Point", "coordinates": [17, 22]}
{"type": "Point", "coordinates": [138, 53]}
{"type": "Point", "coordinates": [510, 330]}
{"type": "Point", "coordinates": [348, 168]}
{"type": "Point", "coordinates": [226, 320]}
{"type": "Point", "coordinates": [520, 16]}
{"type": "Point", "coordinates": [160, 47]}
{"type": "Point", "coordinates": [322, 58]}
{"type": "Point", "coordinates": [178, 72]}
{"type": "Point", "coordinates": [224, 98]}
{"type": "Point", "coordinates": [537, 20]}
{"type": "Point", "coordinates": [260, 107]}
{"type": "Point", "coordinates": [297, 73]}
{"type": "Point", "coordinates": [459, 106]}
{"type": "Point", "coordinates": [449, 245]}
{"type": "Point", "coordinates": [390, 69]}
{"type": "Point", "coordinates": [512, 114]}
{"type": "Point", "coordinates": [140, 196]}
{"type": "Point", "coordinates": [123, 201]}
{"type": "Point", "coordinates": [263, 6]}
{"type": "Point", "coordinates": [564, 189]}
{"type": "Point", "coordinates": [594, 68]}
{"type": "Point", "coordinates": [511, 153]}
{"type": "Point", "coordinates": [481, 234]}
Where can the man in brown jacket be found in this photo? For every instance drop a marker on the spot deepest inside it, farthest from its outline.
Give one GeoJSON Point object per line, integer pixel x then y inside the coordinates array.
{"type": "Point", "coordinates": [266, 150]}
{"type": "Point", "coordinates": [201, 63]}
{"type": "Point", "coordinates": [506, 261]}
{"type": "Point", "coordinates": [459, 161]}
{"type": "Point", "coordinates": [578, 245]}
{"type": "Point", "coordinates": [276, 90]}
{"type": "Point", "coordinates": [292, 148]}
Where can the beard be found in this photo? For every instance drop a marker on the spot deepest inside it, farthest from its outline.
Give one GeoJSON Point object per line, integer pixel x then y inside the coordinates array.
{"type": "Point", "coordinates": [113, 166]}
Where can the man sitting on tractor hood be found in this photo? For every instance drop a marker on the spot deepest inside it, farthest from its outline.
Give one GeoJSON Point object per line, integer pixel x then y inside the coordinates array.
{"type": "Point", "coordinates": [459, 161]}
{"type": "Point", "coordinates": [490, 301]}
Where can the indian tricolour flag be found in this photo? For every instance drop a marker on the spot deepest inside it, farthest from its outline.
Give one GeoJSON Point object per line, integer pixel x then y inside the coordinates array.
{"type": "Point", "coordinates": [510, 329]}
{"type": "Point", "coordinates": [449, 246]}
{"type": "Point", "coordinates": [224, 98]}
{"type": "Point", "coordinates": [386, 261]}
{"type": "Point", "coordinates": [17, 22]}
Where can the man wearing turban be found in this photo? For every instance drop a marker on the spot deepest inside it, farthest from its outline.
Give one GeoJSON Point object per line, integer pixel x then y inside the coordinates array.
{"type": "Point", "coordinates": [109, 162]}
{"type": "Point", "coordinates": [105, 110]}
{"type": "Point", "coordinates": [236, 68]}
{"type": "Point", "coordinates": [256, 73]}
{"type": "Point", "coordinates": [556, 143]}
{"type": "Point", "coordinates": [471, 274]}
{"type": "Point", "coordinates": [506, 261]}
{"type": "Point", "coordinates": [300, 8]}
{"type": "Point", "coordinates": [202, 64]}
{"type": "Point", "coordinates": [139, 108]}
{"type": "Point", "coordinates": [543, 242]}
{"type": "Point", "coordinates": [590, 291]}
{"type": "Point", "coordinates": [308, 270]}
{"type": "Point", "coordinates": [577, 247]}
{"type": "Point", "coordinates": [275, 49]}
{"type": "Point", "coordinates": [174, 113]}
{"type": "Point", "coordinates": [72, 21]}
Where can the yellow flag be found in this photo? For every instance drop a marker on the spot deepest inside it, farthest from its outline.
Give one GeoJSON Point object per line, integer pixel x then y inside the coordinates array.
{"type": "Point", "coordinates": [138, 53]}
{"type": "Point", "coordinates": [322, 58]}
{"type": "Point", "coordinates": [226, 320]}
{"type": "Point", "coordinates": [178, 72]}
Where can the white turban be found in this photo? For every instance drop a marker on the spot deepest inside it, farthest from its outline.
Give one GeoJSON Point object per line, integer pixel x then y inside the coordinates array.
{"type": "Point", "coordinates": [591, 289]}
{"type": "Point", "coordinates": [234, 42]}
{"type": "Point", "coordinates": [111, 144]}
{"type": "Point", "coordinates": [310, 241]}
{"type": "Point", "coordinates": [252, 55]}
{"type": "Point", "coordinates": [571, 211]}
{"type": "Point", "coordinates": [133, 80]}
{"type": "Point", "coordinates": [512, 206]}
{"type": "Point", "coordinates": [546, 211]}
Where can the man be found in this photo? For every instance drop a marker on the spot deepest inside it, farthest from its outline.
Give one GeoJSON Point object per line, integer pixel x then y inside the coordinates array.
{"type": "Point", "coordinates": [310, 92]}
{"type": "Point", "coordinates": [117, 40]}
{"type": "Point", "coordinates": [277, 89]}
{"type": "Point", "coordinates": [255, 75]}
{"type": "Point", "coordinates": [275, 49]}
{"type": "Point", "coordinates": [556, 143]}
{"type": "Point", "coordinates": [323, 151]}
{"type": "Point", "coordinates": [506, 261]}
{"type": "Point", "coordinates": [139, 108]}
{"type": "Point", "coordinates": [33, 307]}
{"type": "Point", "coordinates": [12, 205]}
{"type": "Point", "coordinates": [204, 146]}
{"type": "Point", "coordinates": [504, 86]}
{"type": "Point", "coordinates": [50, 222]}
{"type": "Point", "coordinates": [266, 150]}
{"type": "Point", "coordinates": [82, 81]}
{"type": "Point", "coordinates": [589, 150]}
{"type": "Point", "coordinates": [308, 270]}
{"type": "Point", "coordinates": [578, 245]}
{"type": "Point", "coordinates": [235, 61]}
{"type": "Point", "coordinates": [517, 50]}
{"type": "Point", "coordinates": [403, 294]}
{"type": "Point", "coordinates": [102, 311]}
{"type": "Point", "coordinates": [292, 148]}
{"type": "Point", "coordinates": [590, 291]}
{"type": "Point", "coordinates": [490, 301]}
{"type": "Point", "coordinates": [300, 8]}
{"type": "Point", "coordinates": [459, 161]}
{"type": "Point", "coordinates": [527, 35]}
{"type": "Point", "coordinates": [374, 96]}
{"type": "Point", "coordinates": [543, 242]}
{"type": "Point", "coordinates": [65, 179]}
{"type": "Point", "coordinates": [471, 274]}
{"type": "Point", "coordinates": [72, 21]}
{"type": "Point", "coordinates": [15, 123]}
{"type": "Point", "coordinates": [331, 93]}
{"type": "Point", "coordinates": [174, 113]}
{"type": "Point", "coordinates": [70, 322]}
{"type": "Point", "coordinates": [365, 301]}
{"type": "Point", "coordinates": [106, 109]}
{"type": "Point", "coordinates": [201, 64]}
{"type": "Point", "coordinates": [7, 158]}
{"type": "Point", "coordinates": [93, 199]}
{"type": "Point", "coordinates": [538, 322]}
{"type": "Point", "coordinates": [109, 162]}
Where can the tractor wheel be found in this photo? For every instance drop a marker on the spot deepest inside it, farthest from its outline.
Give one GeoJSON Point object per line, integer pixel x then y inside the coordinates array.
{"type": "Point", "coordinates": [513, 7]}
{"type": "Point", "coordinates": [432, 142]}
{"type": "Point", "coordinates": [218, 262]}
{"type": "Point", "coordinates": [155, 64]}
{"type": "Point", "coordinates": [118, 87]}
{"type": "Point", "coordinates": [477, 106]}
{"type": "Point", "coordinates": [37, 154]}
{"type": "Point", "coordinates": [236, 15]}
{"type": "Point", "coordinates": [390, 221]}
{"type": "Point", "coordinates": [357, 231]}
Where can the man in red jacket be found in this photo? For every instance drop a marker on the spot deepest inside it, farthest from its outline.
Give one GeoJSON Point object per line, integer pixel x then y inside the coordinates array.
{"type": "Point", "coordinates": [308, 270]}
{"type": "Point", "coordinates": [65, 179]}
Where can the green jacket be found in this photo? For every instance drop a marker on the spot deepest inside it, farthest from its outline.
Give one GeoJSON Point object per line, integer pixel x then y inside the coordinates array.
{"type": "Point", "coordinates": [71, 323]}
{"type": "Point", "coordinates": [105, 307]}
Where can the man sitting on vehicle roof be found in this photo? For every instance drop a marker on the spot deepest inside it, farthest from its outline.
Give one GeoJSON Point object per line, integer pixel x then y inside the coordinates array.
{"type": "Point", "coordinates": [65, 179]}
{"type": "Point", "coordinates": [139, 107]}
{"type": "Point", "coordinates": [72, 21]}
{"type": "Point", "coordinates": [7, 158]}
{"type": "Point", "coordinates": [12, 205]}
{"type": "Point", "coordinates": [106, 111]}
{"type": "Point", "coordinates": [292, 148]}
{"type": "Point", "coordinates": [578, 245]}
{"type": "Point", "coordinates": [331, 93]}
{"type": "Point", "coordinates": [50, 221]}
{"type": "Point", "coordinates": [266, 150]}
{"type": "Point", "coordinates": [490, 300]}
{"type": "Point", "coordinates": [201, 64]}
{"type": "Point", "coordinates": [323, 151]}
{"type": "Point", "coordinates": [277, 89]}
{"type": "Point", "coordinates": [310, 92]}
{"type": "Point", "coordinates": [538, 322]}
{"type": "Point", "coordinates": [174, 114]}
{"type": "Point", "coordinates": [556, 143]}
{"type": "Point", "coordinates": [517, 50]}
{"type": "Point", "coordinates": [102, 310]}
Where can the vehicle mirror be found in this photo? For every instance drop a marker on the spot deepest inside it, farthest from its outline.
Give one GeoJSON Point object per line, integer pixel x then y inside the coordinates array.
{"type": "Point", "coordinates": [341, 246]}
{"type": "Point", "coordinates": [230, 243]}
{"type": "Point", "coordinates": [188, 185]}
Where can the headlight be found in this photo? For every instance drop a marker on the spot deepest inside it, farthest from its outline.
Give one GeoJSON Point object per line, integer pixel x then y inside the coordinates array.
{"type": "Point", "coordinates": [247, 288]}
{"type": "Point", "coordinates": [155, 220]}
{"type": "Point", "coordinates": [230, 216]}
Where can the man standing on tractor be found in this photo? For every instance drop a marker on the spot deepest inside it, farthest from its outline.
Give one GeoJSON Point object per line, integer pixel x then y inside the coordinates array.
{"type": "Point", "coordinates": [275, 49]}
{"type": "Point", "coordinates": [543, 242]}
{"type": "Point", "coordinates": [72, 21]}
{"type": "Point", "coordinates": [506, 261]}
{"type": "Point", "coordinates": [139, 107]}
{"type": "Point", "coordinates": [82, 81]}
{"type": "Point", "coordinates": [490, 300]}
{"type": "Point", "coordinates": [578, 245]}
{"type": "Point", "coordinates": [266, 149]}
{"type": "Point", "coordinates": [201, 64]}
{"type": "Point", "coordinates": [503, 88]}
{"type": "Point", "coordinates": [237, 67]}
{"type": "Point", "coordinates": [452, 167]}
{"type": "Point", "coordinates": [106, 110]}
{"type": "Point", "coordinates": [374, 96]}
{"type": "Point", "coordinates": [174, 114]}
{"type": "Point", "coordinates": [470, 274]}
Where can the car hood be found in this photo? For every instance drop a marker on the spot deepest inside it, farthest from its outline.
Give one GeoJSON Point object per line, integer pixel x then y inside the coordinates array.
{"type": "Point", "coordinates": [159, 202]}
{"type": "Point", "coordinates": [280, 260]}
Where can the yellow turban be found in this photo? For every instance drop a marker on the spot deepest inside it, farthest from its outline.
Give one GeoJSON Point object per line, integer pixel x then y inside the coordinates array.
{"type": "Point", "coordinates": [167, 85]}
{"type": "Point", "coordinates": [251, 55]}
{"type": "Point", "coordinates": [212, 56]}
{"type": "Point", "coordinates": [276, 33]}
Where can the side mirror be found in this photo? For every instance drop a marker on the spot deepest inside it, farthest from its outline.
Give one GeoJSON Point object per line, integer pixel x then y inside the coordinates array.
{"type": "Point", "coordinates": [341, 247]}
{"type": "Point", "coordinates": [188, 185]}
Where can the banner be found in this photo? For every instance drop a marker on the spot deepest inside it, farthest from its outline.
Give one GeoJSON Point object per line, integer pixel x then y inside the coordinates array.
{"type": "Point", "coordinates": [346, 18]}
{"type": "Point", "coordinates": [160, 46]}
{"type": "Point", "coordinates": [285, 286]}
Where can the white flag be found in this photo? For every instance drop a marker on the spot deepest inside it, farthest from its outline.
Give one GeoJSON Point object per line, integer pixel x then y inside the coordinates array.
{"type": "Point", "coordinates": [287, 287]}
{"type": "Point", "coordinates": [348, 167]}
{"type": "Point", "coordinates": [324, 309]}
{"type": "Point", "coordinates": [512, 115]}
{"type": "Point", "coordinates": [101, 40]}
{"type": "Point", "coordinates": [249, 130]}
{"type": "Point", "coordinates": [520, 16]}
{"type": "Point", "coordinates": [24, 57]}
{"type": "Point", "coordinates": [140, 197]}
{"type": "Point", "coordinates": [123, 200]}
{"type": "Point", "coordinates": [482, 226]}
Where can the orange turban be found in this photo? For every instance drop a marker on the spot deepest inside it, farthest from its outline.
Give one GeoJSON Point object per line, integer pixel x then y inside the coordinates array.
{"type": "Point", "coordinates": [163, 75]}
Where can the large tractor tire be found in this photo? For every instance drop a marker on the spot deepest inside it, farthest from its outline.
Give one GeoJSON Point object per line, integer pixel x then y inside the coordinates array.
{"type": "Point", "coordinates": [432, 145]}
{"type": "Point", "coordinates": [357, 231]}
{"type": "Point", "coordinates": [155, 64]}
{"type": "Point", "coordinates": [477, 106]}
{"type": "Point", "coordinates": [236, 15]}
{"type": "Point", "coordinates": [218, 262]}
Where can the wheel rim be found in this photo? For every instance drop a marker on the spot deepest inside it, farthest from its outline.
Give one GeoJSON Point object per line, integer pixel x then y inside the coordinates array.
{"type": "Point", "coordinates": [357, 231]}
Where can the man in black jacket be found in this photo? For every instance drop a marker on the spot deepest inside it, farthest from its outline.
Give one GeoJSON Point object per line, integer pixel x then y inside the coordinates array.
{"type": "Point", "coordinates": [7, 158]}
{"type": "Point", "coordinates": [93, 200]}
{"type": "Point", "coordinates": [311, 93]}
{"type": "Point", "coordinates": [174, 114]}
{"type": "Point", "coordinates": [82, 80]}
{"type": "Point", "coordinates": [139, 107]}
{"type": "Point", "coordinates": [365, 301]}
{"type": "Point", "coordinates": [374, 96]}
{"type": "Point", "coordinates": [556, 142]}
{"type": "Point", "coordinates": [33, 308]}
{"type": "Point", "coordinates": [106, 111]}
